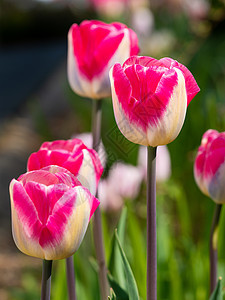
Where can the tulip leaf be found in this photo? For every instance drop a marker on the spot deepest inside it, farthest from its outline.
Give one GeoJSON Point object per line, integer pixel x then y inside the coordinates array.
{"type": "Point", "coordinates": [115, 263]}
{"type": "Point", "coordinates": [121, 294]}
{"type": "Point", "coordinates": [131, 283]}
{"type": "Point", "coordinates": [94, 264]}
{"type": "Point", "coordinates": [217, 293]}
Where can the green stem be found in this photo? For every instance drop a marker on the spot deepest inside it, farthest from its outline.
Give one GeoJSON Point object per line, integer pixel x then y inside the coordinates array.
{"type": "Point", "coordinates": [213, 248]}
{"type": "Point", "coordinates": [70, 278]}
{"type": "Point", "coordinates": [97, 223]}
{"type": "Point", "coordinates": [46, 280]}
{"type": "Point", "coordinates": [151, 226]}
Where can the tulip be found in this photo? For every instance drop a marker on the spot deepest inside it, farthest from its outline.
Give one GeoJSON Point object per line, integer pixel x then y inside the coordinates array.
{"type": "Point", "coordinates": [150, 98]}
{"type": "Point", "coordinates": [50, 212]}
{"type": "Point", "coordinates": [209, 173]}
{"type": "Point", "coordinates": [209, 167]}
{"type": "Point", "coordinates": [72, 155]}
{"type": "Point", "coordinates": [93, 47]}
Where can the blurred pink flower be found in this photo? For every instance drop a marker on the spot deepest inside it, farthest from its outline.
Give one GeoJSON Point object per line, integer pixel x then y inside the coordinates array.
{"type": "Point", "coordinates": [163, 163]}
{"type": "Point", "coordinates": [111, 8]}
{"type": "Point", "coordinates": [196, 9]}
{"type": "Point", "coordinates": [209, 166]}
{"type": "Point", "coordinates": [123, 182]}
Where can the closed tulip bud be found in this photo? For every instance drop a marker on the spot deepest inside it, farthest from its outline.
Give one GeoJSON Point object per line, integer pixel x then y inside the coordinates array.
{"type": "Point", "coordinates": [50, 212]}
{"type": "Point", "coordinates": [93, 47]}
{"type": "Point", "coordinates": [150, 98]}
{"type": "Point", "coordinates": [209, 167]}
{"type": "Point", "coordinates": [72, 155]}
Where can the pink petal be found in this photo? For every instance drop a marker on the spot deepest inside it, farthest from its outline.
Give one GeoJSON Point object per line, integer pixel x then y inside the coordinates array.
{"type": "Point", "coordinates": [151, 91]}
{"type": "Point", "coordinates": [97, 164]}
{"type": "Point", "coordinates": [215, 156]}
{"type": "Point", "coordinates": [56, 224]}
{"type": "Point", "coordinates": [191, 85]}
{"type": "Point", "coordinates": [39, 176]}
{"type": "Point", "coordinates": [26, 210]}
{"type": "Point", "coordinates": [134, 49]}
{"type": "Point", "coordinates": [144, 61]}
{"type": "Point", "coordinates": [95, 39]}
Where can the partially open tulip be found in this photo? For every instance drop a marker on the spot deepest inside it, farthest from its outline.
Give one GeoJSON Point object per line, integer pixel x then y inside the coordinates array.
{"type": "Point", "coordinates": [209, 167]}
{"type": "Point", "coordinates": [72, 155]}
{"type": "Point", "coordinates": [93, 47]}
{"type": "Point", "coordinates": [150, 98]}
{"type": "Point", "coordinates": [50, 212]}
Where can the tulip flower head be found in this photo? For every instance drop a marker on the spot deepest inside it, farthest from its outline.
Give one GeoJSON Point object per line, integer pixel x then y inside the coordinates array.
{"type": "Point", "coordinates": [209, 166]}
{"type": "Point", "coordinates": [93, 47]}
{"type": "Point", "coordinates": [50, 212]}
{"type": "Point", "coordinates": [150, 98]}
{"type": "Point", "coordinates": [72, 155]}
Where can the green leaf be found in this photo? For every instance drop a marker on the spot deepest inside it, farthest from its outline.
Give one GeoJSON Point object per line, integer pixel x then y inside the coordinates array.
{"type": "Point", "coordinates": [121, 294]}
{"type": "Point", "coordinates": [115, 263]}
{"type": "Point", "coordinates": [217, 293]}
{"type": "Point", "coordinates": [112, 295]}
{"type": "Point", "coordinates": [131, 283]}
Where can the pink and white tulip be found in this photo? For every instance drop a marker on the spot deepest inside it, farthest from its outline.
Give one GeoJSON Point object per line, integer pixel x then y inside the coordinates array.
{"type": "Point", "coordinates": [93, 47]}
{"type": "Point", "coordinates": [150, 98]}
{"type": "Point", "coordinates": [50, 212]}
{"type": "Point", "coordinates": [209, 167]}
{"type": "Point", "coordinates": [72, 155]}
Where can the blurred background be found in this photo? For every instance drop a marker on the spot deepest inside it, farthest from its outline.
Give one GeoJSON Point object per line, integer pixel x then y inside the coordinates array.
{"type": "Point", "coordinates": [37, 104]}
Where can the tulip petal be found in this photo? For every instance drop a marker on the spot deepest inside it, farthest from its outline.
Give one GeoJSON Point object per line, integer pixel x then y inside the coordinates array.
{"type": "Point", "coordinates": [67, 224]}
{"type": "Point", "coordinates": [121, 94]}
{"type": "Point", "coordinates": [192, 87]}
{"type": "Point", "coordinates": [26, 226]}
{"type": "Point", "coordinates": [87, 173]}
{"type": "Point", "coordinates": [172, 120]}
{"type": "Point", "coordinates": [144, 61]}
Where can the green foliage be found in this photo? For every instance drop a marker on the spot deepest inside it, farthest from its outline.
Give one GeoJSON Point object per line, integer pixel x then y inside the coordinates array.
{"type": "Point", "coordinates": [217, 294]}
{"type": "Point", "coordinates": [131, 283]}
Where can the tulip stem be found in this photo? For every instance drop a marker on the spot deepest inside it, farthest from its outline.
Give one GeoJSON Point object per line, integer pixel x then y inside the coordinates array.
{"type": "Point", "coordinates": [70, 278]}
{"type": "Point", "coordinates": [97, 223]}
{"type": "Point", "coordinates": [213, 247]}
{"type": "Point", "coordinates": [96, 123]}
{"type": "Point", "coordinates": [46, 280]}
{"type": "Point", "coordinates": [151, 226]}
